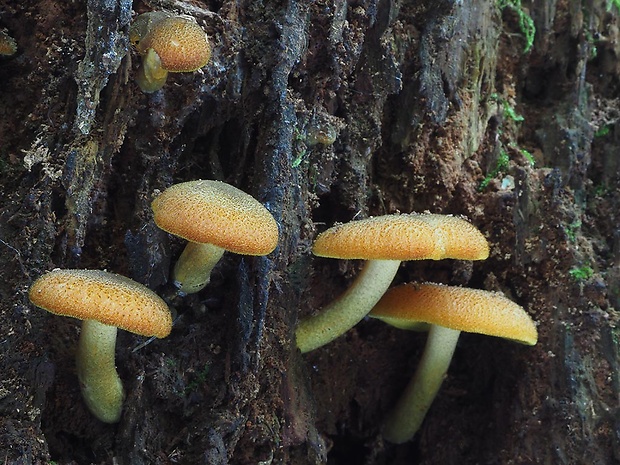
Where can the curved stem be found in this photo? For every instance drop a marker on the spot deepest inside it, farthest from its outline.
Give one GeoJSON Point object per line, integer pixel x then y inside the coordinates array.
{"type": "Point", "coordinates": [150, 75]}
{"type": "Point", "coordinates": [348, 309]}
{"type": "Point", "coordinates": [405, 419]}
{"type": "Point", "coordinates": [101, 386]}
{"type": "Point", "coordinates": [192, 271]}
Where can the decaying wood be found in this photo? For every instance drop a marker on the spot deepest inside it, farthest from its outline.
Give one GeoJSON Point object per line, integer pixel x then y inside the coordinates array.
{"type": "Point", "coordinates": [325, 111]}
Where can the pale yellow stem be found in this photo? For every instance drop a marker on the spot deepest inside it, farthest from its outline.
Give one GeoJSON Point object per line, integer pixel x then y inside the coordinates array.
{"type": "Point", "coordinates": [406, 418]}
{"type": "Point", "coordinates": [101, 386]}
{"type": "Point", "coordinates": [151, 76]}
{"type": "Point", "coordinates": [192, 271]}
{"type": "Point", "coordinates": [348, 309]}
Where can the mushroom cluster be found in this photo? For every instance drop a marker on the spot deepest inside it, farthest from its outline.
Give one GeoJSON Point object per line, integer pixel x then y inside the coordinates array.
{"type": "Point", "coordinates": [214, 217]}
{"type": "Point", "coordinates": [384, 241]}
{"type": "Point", "coordinates": [444, 311]}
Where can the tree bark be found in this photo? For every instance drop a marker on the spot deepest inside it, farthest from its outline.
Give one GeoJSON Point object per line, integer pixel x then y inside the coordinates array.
{"type": "Point", "coordinates": [325, 111]}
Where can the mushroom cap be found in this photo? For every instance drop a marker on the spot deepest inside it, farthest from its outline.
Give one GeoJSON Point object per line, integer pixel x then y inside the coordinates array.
{"type": "Point", "coordinates": [179, 41]}
{"type": "Point", "coordinates": [213, 212]}
{"type": "Point", "coordinates": [414, 236]}
{"type": "Point", "coordinates": [143, 23]}
{"type": "Point", "coordinates": [109, 298]}
{"type": "Point", "coordinates": [463, 309]}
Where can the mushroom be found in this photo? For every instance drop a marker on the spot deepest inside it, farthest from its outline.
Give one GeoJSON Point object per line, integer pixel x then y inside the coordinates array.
{"type": "Point", "coordinates": [214, 217]}
{"type": "Point", "coordinates": [8, 46]}
{"type": "Point", "coordinates": [104, 301]}
{"type": "Point", "coordinates": [449, 310]}
{"type": "Point", "coordinates": [384, 241]}
{"type": "Point", "coordinates": [167, 43]}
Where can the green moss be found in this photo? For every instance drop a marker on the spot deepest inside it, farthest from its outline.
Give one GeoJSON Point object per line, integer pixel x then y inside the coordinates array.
{"type": "Point", "coordinates": [299, 147]}
{"type": "Point", "coordinates": [298, 159]}
{"type": "Point", "coordinates": [614, 3]}
{"type": "Point", "coordinates": [200, 379]}
{"type": "Point", "coordinates": [603, 131]}
{"type": "Point", "coordinates": [601, 190]}
{"type": "Point", "coordinates": [571, 230]}
{"type": "Point", "coordinates": [509, 112]}
{"type": "Point", "coordinates": [502, 165]}
{"type": "Point", "coordinates": [581, 273]}
{"type": "Point", "coordinates": [528, 156]}
{"type": "Point", "coordinates": [526, 23]}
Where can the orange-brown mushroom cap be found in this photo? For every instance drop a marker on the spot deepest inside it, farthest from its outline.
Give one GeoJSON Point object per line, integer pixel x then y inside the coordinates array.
{"type": "Point", "coordinates": [463, 309]}
{"type": "Point", "coordinates": [109, 298]}
{"type": "Point", "coordinates": [213, 212]}
{"type": "Point", "coordinates": [414, 236]}
{"type": "Point", "coordinates": [179, 41]}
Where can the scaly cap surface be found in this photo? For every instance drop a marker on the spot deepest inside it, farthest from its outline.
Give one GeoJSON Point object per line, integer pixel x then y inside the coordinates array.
{"type": "Point", "coordinates": [109, 298]}
{"type": "Point", "coordinates": [216, 213]}
{"type": "Point", "coordinates": [414, 236]}
{"type": "Point", "coordinates": [179, 41]}
{"type": "Point", "coordinates": [463, 309]}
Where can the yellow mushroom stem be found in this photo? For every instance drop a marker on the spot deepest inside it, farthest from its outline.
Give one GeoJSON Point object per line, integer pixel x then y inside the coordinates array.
{"type": "Point", "coordinates": [151, 76]}
{"type": "Point", "coordinates": [406, 418]}
{"type": "Point", "coordinates": [101, 386]}
{"type": "Point", "coordinates": [348, 309]}
{"type": "Point", "coordinates": [192, 271]}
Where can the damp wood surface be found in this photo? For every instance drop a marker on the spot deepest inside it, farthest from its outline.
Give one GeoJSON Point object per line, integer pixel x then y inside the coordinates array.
{"type": "Point", "coordinates": [325, 111]}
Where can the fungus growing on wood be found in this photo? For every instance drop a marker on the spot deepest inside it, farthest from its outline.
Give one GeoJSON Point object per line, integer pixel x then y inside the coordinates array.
{"type": "Point", "coordinates": [384, 241]}
{"type": "Point", "coordinates": [8, 46]}
{"type": "Point", "coordinates": [104, 301]}
{"type": "Point", "coordinates": [213, 216]}
{"type": "Point", "coordinates": [168, 44]}
{"type": "Point", "coordinates": [448, 310]}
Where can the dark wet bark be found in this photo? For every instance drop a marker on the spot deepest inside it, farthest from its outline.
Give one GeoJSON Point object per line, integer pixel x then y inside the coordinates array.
{"type": "Point", "coordinates": [324, 111]}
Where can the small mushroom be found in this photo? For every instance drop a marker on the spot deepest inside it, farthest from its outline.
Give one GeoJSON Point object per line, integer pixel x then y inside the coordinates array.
{"type": "Point", "coordinates": [384, 241]}
{"type": "Point", "coordinates": [104, 301]}
{"type": "Point", "coordinates": [167, 43]}
{"type": "Point", "coordinates": [8, 46]}
{"type": "Point", "coordinates": [214, 217]}
{"type": "Point", "coordinates": [449, 310]}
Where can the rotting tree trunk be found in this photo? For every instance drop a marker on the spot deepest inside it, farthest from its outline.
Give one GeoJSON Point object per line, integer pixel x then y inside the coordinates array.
{"type": "Point", "coordinates": [324, 111]}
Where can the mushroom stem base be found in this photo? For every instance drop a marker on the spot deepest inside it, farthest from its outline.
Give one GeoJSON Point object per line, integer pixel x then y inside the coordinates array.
{"type": "Point", "coordinates": [348, 309]}
{"type": "Point", "coordinates": [150, 75]}
{"type": "Point", "coordinates": [193, 269]}
{"type": "Point", "coordinates": [406, 418]}
{"type": "Point", "coordinates": [101, 386]}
